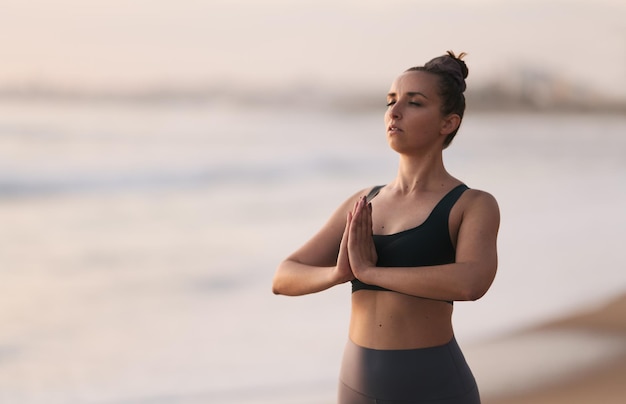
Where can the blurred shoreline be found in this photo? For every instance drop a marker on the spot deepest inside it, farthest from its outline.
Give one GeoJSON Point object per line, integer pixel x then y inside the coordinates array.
{"type": "Point", "coordinates": [597, 379]}
{"type": "Point", "coordinates": [535, 93]}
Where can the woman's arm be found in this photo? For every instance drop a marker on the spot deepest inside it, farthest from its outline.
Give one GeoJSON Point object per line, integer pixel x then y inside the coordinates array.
{"type": "Point", "coordinates": [320, 263]}
{"type": "Point", "coordinates": [468, 278]}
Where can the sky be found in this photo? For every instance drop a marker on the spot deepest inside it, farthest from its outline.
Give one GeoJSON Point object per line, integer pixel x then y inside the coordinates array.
{"type": "Point", "coordinates": [341, 43]}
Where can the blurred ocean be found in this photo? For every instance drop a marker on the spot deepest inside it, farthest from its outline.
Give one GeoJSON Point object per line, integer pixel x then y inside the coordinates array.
{"type": "Point", "coordinates": [138, 241]}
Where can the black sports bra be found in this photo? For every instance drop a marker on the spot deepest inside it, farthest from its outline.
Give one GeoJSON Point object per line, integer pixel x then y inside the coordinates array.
{"type": "Point", "coordinates": [424, 245]}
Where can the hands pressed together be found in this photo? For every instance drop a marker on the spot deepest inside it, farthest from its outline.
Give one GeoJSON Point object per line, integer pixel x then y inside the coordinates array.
{"type": "Point", "coordinates": [357, 253]}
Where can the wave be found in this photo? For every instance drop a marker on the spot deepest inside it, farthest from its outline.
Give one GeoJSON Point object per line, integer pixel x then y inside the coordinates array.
{"type": "Point", "coordinates": [38, 184]}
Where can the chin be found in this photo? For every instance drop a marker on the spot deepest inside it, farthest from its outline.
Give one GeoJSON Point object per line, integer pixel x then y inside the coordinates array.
{"type": "Point", "coordinates": [395, 146]}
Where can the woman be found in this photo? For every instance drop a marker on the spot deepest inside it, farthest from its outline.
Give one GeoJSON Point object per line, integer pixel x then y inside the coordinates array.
{"type": "Point", "coordinates": [410, 248]}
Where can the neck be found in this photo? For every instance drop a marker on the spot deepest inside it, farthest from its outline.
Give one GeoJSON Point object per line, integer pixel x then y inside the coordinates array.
{"type": "Point", "coordinates": [421, 174]}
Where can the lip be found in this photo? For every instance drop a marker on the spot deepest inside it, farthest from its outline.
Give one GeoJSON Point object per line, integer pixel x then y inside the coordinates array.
{"type": "Point", "coordinates": [393, 129]}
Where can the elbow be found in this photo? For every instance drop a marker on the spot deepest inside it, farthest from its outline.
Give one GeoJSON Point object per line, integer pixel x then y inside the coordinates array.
{"type": "Point", "coordinates": [469, 293]}
{"type": "Point", "coordinates": [277, 287]}
{"type": "Point", "coordinates": [280, 283]}
{"type": "Point", "coordinates": [473, 294]}
{"type": "Point", "coordinates": [284, 290]}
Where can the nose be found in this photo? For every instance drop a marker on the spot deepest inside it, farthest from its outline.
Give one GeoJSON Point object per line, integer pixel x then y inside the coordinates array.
{"type": "Point", "coordinates": [394, 111]}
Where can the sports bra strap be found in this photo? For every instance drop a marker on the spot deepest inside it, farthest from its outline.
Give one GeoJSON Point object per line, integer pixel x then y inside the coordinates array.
{"type": "Point", "coordinates": [372, 194]}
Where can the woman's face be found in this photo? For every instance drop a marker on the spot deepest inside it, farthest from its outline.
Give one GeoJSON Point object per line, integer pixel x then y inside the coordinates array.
{"type": "Point", "coordinates": [413, 119]}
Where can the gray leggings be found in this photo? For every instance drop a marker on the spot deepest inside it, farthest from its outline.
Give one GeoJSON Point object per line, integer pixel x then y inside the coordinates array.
{"type": "Point", "coordinates": [409, 376]}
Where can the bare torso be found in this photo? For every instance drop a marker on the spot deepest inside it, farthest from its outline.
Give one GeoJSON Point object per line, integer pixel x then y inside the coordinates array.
{"type": "Point", "coordinates": [391, 320]}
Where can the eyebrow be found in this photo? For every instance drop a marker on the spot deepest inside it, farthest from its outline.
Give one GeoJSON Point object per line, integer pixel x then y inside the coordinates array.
{"type": "Point", "coordinates": [410, 94]}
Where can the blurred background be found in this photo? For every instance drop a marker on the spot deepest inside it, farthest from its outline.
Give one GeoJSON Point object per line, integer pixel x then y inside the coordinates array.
{"type": "Point", "coordinates": [159, 158]}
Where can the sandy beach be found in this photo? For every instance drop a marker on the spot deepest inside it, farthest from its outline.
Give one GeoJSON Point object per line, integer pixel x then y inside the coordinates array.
{"type": "Point", "coordinates": [580, 376]}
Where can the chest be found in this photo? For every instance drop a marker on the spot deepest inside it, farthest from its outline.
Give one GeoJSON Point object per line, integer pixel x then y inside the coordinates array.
{"type": "Point", "coordinates": [417, 222]}
{"type": "Point", "coordinates": [391, 216]}
{"type": "Point", "coordinates": [429, 243]}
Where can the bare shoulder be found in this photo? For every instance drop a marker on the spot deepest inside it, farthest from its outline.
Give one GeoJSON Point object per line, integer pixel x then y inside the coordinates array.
{"type": "Point", "coordinates": [480, 204]}
{"type": "Point", "coordinates": [477, 196]}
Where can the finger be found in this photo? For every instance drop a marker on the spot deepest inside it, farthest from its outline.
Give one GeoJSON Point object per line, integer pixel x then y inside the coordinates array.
{"type": "Point", "coordinates": [356, 213]}
{"type": "Point", "coordinates": [354, 230]}
{"type": "Point", "coordinates": [347, 226]}
{"type": "Point", "coordinates": [365, 220]}
{"type": "Point", "coordinates": [357, 203]}
{"type": "Point", "coordinates": [370, 223]}
{"type": "Point", "coordinates": [358, 218]}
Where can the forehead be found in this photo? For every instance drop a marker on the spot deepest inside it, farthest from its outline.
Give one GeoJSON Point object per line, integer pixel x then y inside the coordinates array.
{"type": "Point", "coordinates": [415, 82]}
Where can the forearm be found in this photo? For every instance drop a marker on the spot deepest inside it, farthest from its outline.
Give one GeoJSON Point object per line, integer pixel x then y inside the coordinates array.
{"type": "Point", "coordinates": [457, 281]}
{"type": "Point", "coordinates": [295, 279]}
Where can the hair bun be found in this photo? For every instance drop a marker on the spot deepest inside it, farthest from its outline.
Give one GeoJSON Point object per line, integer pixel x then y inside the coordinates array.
{"type": "Point", "coordinates": [452, 65]}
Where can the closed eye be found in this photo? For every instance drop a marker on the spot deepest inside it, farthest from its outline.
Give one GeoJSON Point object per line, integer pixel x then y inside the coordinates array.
{"type": "Point", "coordinates": [417, 104]}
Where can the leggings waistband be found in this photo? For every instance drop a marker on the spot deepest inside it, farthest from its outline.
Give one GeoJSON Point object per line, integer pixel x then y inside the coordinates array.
{"type": "Point", "coordinates": [411, 375]}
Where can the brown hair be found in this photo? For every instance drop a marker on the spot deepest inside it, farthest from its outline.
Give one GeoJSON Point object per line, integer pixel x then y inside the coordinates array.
{"type": "Point", "coordinates": [451, 71]}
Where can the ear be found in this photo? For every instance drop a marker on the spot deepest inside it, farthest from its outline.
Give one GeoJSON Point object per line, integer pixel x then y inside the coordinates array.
{"type": "Point", "coordinates": [449, 124]}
